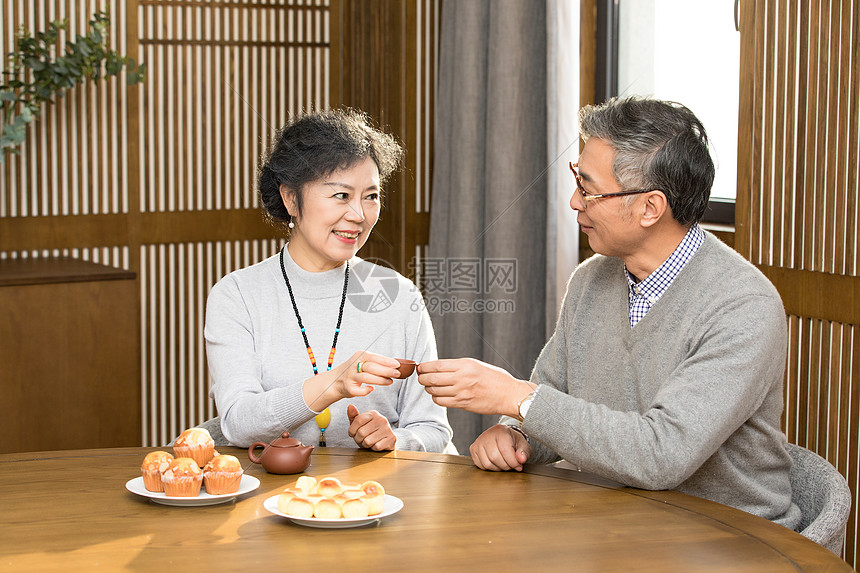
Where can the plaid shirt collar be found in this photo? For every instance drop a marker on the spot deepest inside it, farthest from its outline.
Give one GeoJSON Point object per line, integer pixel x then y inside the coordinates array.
{"type": "Point", "coordinates": [644, 294]}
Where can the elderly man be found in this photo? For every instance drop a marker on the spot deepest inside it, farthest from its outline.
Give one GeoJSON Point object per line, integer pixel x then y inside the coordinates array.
{"type": "Point", "coordinates": [666, 366]}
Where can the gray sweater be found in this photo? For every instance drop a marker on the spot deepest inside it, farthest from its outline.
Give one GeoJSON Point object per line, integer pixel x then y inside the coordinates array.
{"type": "Point", "coordinates": [258, 361]}
{"type": "Point", "coordinates": [689, 399]}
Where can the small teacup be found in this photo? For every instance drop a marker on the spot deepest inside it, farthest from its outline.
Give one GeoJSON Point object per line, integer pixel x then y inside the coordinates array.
{"type": "Point", "coordinates": [406, 368]}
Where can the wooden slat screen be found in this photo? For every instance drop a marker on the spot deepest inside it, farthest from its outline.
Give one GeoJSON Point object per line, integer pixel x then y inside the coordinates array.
{"type": "Point", "coordinates": [159, 178]}
{"type": "Point", "coordinates": [255, 64]}
{"type": "Point", "coordinates": [797, 210]}
{"type": "Point", "coordinates": [74, 159]}
{"type": "Point", "coordinates": [386, 51]}
{"type": "Point", "coordinates": [419, 159]}
{"type": "Point", "coordinates": [176, 281]}
{"type": "Point", "coordinates": [224, 76]}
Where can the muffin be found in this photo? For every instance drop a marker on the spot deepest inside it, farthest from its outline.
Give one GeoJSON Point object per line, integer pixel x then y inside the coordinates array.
{"type": "Point", "coordinates": [222, 474]}
{"type": "Point", "coordinates": [182, 478]}
{"type": "Point", "coordinates": [195, 443]}
{"type": "Point", "coordinates": [153, 464]}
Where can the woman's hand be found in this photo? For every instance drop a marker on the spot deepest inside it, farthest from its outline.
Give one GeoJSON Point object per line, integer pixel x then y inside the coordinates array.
{"type": "Point", "coordinates": [473, 385]}
{"type": "Point", "coordinates": [370, 429]}
{"type": "Point", "coordinates": [500, 448]}
{"type": "Point", "coordinates": [357, 376]}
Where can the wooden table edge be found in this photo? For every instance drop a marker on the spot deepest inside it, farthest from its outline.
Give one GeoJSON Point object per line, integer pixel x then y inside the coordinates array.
{"type": "Point", "coordinates": [783, 541]}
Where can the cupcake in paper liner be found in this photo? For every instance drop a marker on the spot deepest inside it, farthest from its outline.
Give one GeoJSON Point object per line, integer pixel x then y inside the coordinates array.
{"type": "Point", "coordinates": [182, 478]}
{"type": "Point", "coordinates": [153, 465]}
{"type": "Point", "coordinates": [222, 474]}
{"type": "Point", "coordinates": [195, 443]}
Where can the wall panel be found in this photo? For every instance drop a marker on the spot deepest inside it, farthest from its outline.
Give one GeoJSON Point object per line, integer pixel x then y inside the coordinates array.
{"type": "Point", "coordinates": [214, 97]}
{"type": "Point", "coordinates": [164, 171]}
{"type": "Point", "coordinates": [73, 161]}
{"type": "Point", "coordinates": [159, 178]}
{"type": "Point", "coordinates": [175, 281]}
{"type": "Point", "coordinates": [797, 210]}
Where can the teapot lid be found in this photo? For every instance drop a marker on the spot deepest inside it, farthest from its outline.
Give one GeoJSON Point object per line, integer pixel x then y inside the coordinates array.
{"type": "Point", "coordinates": [285, 441]}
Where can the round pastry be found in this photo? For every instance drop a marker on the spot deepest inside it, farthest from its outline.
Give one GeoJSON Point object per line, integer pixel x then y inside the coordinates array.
{"type": "Point", "coordinates": [327, 509]}
{"type": "Point", "coordinates": [299, 507]}
{"type": "Point", "coordinates": [374, 493]}
{"type": "Point", "coordinates": [372, 488]}
{"type": "Point", "coordinates": [329, 487]}
{"type": "Point", "coordinates": [222, 474]}
{"type": "Point", "coordinates": [329, 498]}
{"type": "Point", "coordinates": [153, 464]}
{"type": "Point", "coordinates": [355, 508]}
{"type": "Point", "coordinates": [287, 495]}
{"type": "Point", "coordinates": [195, 443]}
{"type": "Point", "coordinates": [375, 503]}
{"type": "Point", "coordinates": [306, 483]}
{"type": "Point", "coordinates": [182, 478]}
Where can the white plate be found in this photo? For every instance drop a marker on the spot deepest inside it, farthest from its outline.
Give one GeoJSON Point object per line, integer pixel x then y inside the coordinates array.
{"type": "Point", "coordinates": [392, 506]}
{"type": "Point", "coordinates": [248, 484]}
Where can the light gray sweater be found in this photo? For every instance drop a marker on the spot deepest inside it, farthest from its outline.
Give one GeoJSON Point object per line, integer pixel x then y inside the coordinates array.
{"type": "Point", "coordinates": [689, 399]}
{"type": "Point", "coordinates": [258, 361]}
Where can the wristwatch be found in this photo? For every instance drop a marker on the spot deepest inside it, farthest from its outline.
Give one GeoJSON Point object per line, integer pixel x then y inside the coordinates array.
{"type": "Point", "coordinates": [525, 404]}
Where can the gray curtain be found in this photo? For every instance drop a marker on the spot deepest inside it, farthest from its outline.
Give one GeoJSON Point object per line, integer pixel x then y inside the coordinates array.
{"type": "Point", "coordinates": [489, 197]}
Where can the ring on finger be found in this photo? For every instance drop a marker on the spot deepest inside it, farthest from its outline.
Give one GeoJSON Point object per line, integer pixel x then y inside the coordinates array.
{"type": "Point", "coordinates": [358, 367]}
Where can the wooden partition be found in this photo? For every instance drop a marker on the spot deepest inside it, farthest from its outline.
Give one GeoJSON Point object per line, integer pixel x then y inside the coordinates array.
{"type": "Point", "coordinates": [386, 52]}
{"type": "Point", "coordinates": [159, 179]}
{"type": "Point", "coordinates": [69, 353]}
{"type": "Point", "coordinates": [797, 211]}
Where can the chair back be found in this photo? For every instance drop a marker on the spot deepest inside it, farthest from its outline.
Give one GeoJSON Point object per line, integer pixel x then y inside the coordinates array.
{"type": "Point", "coordinates": [822, 495]}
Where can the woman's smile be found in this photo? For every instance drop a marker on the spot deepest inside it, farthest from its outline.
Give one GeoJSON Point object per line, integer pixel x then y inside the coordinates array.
{"type": "Point", "coordinates": [348, 236]}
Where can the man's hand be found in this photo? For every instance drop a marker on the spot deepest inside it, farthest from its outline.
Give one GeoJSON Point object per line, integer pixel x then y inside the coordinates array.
{"type": "Point", "coordinates": [473, 385]}
{"type": "Point", "coordinates": [370, 429]}
{"type": "Point", "coordinates": [500, 448]}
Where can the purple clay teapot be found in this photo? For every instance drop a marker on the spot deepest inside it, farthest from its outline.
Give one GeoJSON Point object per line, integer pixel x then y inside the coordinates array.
{"type": "Point", "coordinates": [285, 455]}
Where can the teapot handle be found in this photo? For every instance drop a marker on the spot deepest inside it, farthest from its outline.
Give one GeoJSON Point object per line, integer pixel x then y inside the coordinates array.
{"type": "Point", "coordinates": [253, 447]}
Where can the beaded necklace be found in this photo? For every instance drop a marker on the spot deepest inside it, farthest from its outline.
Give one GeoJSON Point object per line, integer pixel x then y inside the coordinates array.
{"type": "Point", "coordinates": [324, 417]}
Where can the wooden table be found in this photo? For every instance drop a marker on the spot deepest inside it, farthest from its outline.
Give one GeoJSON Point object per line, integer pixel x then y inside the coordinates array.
{"type": "Point", "coordinates": [70, 510]}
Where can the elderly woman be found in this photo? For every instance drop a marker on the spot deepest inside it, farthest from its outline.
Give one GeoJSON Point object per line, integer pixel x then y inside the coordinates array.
{"type": "Point", "coordinates": [306, 340]}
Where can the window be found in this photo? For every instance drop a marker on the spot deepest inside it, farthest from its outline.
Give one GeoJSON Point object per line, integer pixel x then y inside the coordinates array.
{"type": "Point", "coordinates": [681, 51]}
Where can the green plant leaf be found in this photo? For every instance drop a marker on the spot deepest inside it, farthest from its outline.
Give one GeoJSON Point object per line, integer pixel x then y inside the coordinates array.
{"type": "Point", "coordinates": [35, 76]}
{"type": "Point", "coordinates": [34, 64]}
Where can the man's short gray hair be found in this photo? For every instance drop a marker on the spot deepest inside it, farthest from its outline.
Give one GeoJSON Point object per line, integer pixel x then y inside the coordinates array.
{"type": "Point", "coordinates": [658, 145]}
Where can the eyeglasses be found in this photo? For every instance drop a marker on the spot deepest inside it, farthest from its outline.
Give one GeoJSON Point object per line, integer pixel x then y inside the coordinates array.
{"type": "Point", "coordinates": [586, 196]}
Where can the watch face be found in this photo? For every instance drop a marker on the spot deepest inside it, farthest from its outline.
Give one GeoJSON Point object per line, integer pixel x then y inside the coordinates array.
{"type": "Point", "coordinates": [525, 404]}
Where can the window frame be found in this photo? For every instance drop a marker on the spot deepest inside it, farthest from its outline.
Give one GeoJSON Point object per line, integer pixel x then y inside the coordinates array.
{"type": "Point", "coordinates": [720, 211]}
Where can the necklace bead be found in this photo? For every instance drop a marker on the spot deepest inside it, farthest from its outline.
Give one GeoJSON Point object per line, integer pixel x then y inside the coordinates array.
{"type": "Point", "coordinates": [305, 336]}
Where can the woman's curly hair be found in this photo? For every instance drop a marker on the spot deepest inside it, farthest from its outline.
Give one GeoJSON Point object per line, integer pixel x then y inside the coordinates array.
{"type": "Point", "coordinates": [312, 146]}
